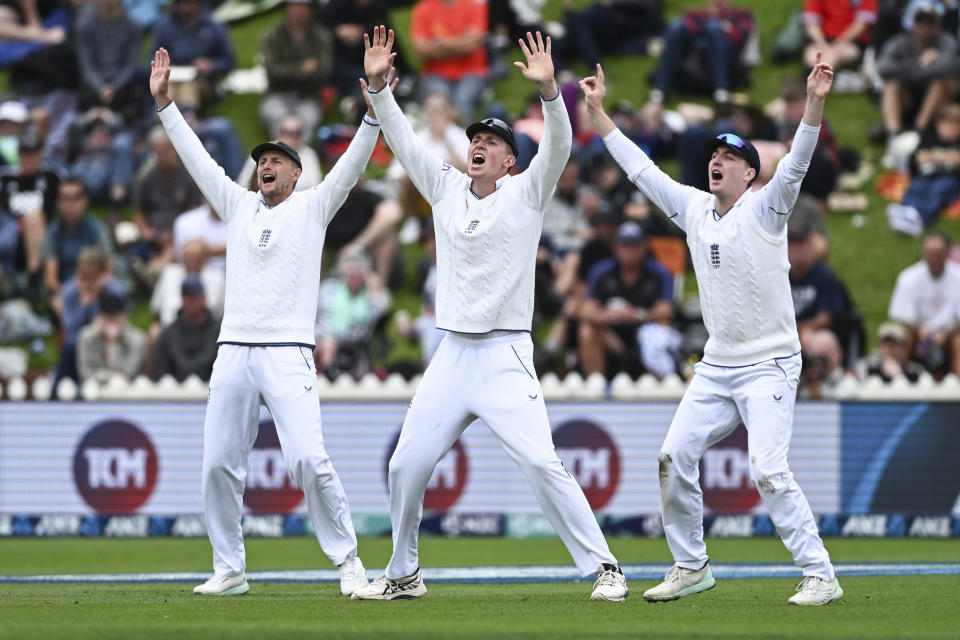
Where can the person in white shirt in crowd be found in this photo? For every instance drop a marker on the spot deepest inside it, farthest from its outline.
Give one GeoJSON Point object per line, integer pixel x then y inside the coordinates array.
{"type": "Point", "coordinates": [751, 363]}
{"type": "Point", "coordinates": [274, 243]}
{"type": "Point", "coordinates": [926, 299]}
{"type": "Point", "coordinates": [291, 131]}
{"type": "Point", "coordinates": [166, 299]}
{"type": "Point", "coordinates": [201, 223]}
{"type": "Point", "coordinates": [487, 226]}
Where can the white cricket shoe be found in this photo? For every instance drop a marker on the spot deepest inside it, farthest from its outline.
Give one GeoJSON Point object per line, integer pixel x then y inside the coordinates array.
{"type": "Point", "coordinates": [223, 586]}
{"type": "Point", "coordinates": [611, 585]}
{"type": "Point", "coordinates": [352, 575]}
{"type": "Point", "coordinates": [384, 588]}
{"type": "Point", "coordinates": [681, 582]}
{"type": "Point", "coordinates": [813, 591]}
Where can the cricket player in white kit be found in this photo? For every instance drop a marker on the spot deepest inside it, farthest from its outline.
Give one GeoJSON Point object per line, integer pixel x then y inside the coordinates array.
{"type": "Point", "coordinates": [487, 229]}
{"type": "Point", "coordinates": [751, 363]}
{"type": "Point", "coordinates": [274, 241]}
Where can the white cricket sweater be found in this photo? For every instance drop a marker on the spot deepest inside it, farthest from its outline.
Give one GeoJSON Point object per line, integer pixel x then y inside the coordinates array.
{"type": "Point", "coordinates": [740, 258]}
{"type": "Point", "coordinates": [273, 253]}
{"type": "Point", "coordinates": [486, 247]}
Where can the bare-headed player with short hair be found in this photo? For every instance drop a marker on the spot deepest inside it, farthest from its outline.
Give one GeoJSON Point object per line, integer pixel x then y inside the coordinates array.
{"type": "Point", "coordinates": [274, 240]}
{"type": "Point", "coordinates": [487, 227]}
{"type": "Point", "coordinates": [751, 362]}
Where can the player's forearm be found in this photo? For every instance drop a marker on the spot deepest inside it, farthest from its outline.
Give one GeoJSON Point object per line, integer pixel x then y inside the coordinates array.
{"type": "Point", "coordinates": [600, 120]}
{"type": "Point", "coordinates": [813, 111]}
{"type": "Point", "coordinates": [351, 165]}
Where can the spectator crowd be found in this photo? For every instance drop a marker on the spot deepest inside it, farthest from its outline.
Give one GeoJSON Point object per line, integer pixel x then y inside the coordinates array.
{"type": "Point", "coordinates": [108, 249]}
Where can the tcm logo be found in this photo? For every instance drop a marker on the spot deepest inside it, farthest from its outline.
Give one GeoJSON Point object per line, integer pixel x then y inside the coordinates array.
{"type": "Point", "coordinates": [448, 481]}
{"type": "Point", "coordinates": [270, 489]}
{"type": "Point", "coordinates": [590, 456]}
{"type": "Point", "coordinates": [725, 476]}
{"type": "Point", "coordinates": [115, 467]}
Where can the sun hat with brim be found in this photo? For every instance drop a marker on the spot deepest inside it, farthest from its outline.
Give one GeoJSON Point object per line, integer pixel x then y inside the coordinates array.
{"type": "Point", "coordinates": [495, 126]}
{"type": "Point", "coordinates": [276, 145]}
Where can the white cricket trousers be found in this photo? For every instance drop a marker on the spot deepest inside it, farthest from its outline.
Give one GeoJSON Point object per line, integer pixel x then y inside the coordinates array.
{"type": "Point", "coordinates": [492, 379]}
{"type": "Point", "coordinates": [285, 378]}
{"type": "Point", "coordinates": [762, 396]}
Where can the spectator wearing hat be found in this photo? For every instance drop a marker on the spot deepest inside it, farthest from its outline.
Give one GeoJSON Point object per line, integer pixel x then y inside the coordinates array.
{"type": "Point", "coordinates": [620, 293]}
{"type": "Point", "coordinates": [817, 293]}
{"type": "Point", "coordinates": [28, 193]}
{"type": "Point", "coordinates": [14, 118]}
{"type": "Point", "coordinates": [199, 46]}
{"type": "Point", "coordinates": [918, 70]}
{"type": "Point", "coordinates": [188, 345]}
{"type": "Point", "coordinates": [890, 359]}
{"type": "Point", "coordinates": [838, 29]}
{"type": "Point", "coordinates": [934, 174]}
{"type": "Point", "coordinates": [449, 37]}
{"type": "Point", "coordinates": [110, 345]}
{"type": "Point", "coordinates": [298, 58]}
{"type": "Point", "coordinates": [926, 299]}
{"type": "Point", "coordinates": [75, 229]}
{"type": "Point", "coordinates": [108, 47]}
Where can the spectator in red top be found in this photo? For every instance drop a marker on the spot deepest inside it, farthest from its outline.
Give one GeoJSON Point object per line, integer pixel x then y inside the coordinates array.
{"type": "Point", "coordinates": [448, 36]}
{"type": "Point", "coordinates": [721, 29]}
{"type": "Point", "coordinates": [840, 29]}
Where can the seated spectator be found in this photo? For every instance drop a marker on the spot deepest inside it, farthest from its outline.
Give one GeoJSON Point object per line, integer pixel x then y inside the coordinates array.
{"type": "Point", "coordinates": [78, 303]}
{"type": "Point", "coordinates": [838, 29]}
{"type": "Point", "coordinates": [188, 345]}
{"type": "Point", "coordinates": [298, 58]}
{"type": "Point", "coordinates": [75, 230]}
{"type": "Point", "coordinates": [547, 300]}
{"type": "Point", "coordinates": [108, 47]}
{"type": "Point", "coordinates": [891, 358]}
{"type": "Point", "coordinates": [21, 21]}
{"type": "Point", "coordinates": [200, 51]}
{"type": "Point", "coordinates": [110, 345]}
{"type": "Point", "coordinates": [423, 329]}
{"type": "Point", "coordinates": [12, 281]}
{"type": "Point", "coordinates": [290, 129]}
{"type": "Point", "coordinates": [159, 195]}
{"type": "Point", "coordinates": [617, 27]}
{"type": "Point", "coordinates": [659, 342]}
{"type": "Point", "coordinates": [366, 222]}
{"type": "Point", "coordinates": [918, 70]}
{"type": "Point", "coordinates": [565, 224]}
{"type": "Point", "coordinates": [620, 294]}
{"type": "Point", "coordinates": [101, 154]}
{"type": "Point", "coordinates": [202, 223]}
{"type": "Point", "coordinates": [926, 299]}
{"type": "Point", "coordinates": [349, 20]}
{"type": "Point", "coordinates": [720, 32]}
{"type": "Point", "coordinates": [448, 36]}
{"type": "Point", "coordinates": [822, 376]}
{"type": "Point", "coordinates": [166, 301]}
{"type": "Point", "coordinates": [29, 194]}
{"type": "Point", "coordinates": [817, 293]}
{"type": "Point", "coordinates": [934, 173]}
{"type": "Point", "coordinates": [349, 307]}
{"type": "Point", "coordinates": [219, 138]}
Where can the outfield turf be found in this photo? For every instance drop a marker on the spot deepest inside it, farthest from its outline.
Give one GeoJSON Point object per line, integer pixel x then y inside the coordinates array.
{"type": "Point", "coordinates": [874, 607]}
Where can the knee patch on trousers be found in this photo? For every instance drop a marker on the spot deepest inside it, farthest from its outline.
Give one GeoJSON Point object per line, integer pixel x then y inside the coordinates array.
{"type": "Point", "coordinates": [770, 483]}
{"type": "Point", "coordinates": [663, 468]}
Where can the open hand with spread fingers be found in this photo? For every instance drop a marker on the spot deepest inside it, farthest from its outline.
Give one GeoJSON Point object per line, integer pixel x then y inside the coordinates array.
{"type": "Point", "coordinates": [378, 56]}
{"type": "Point", "coordinates": [539, 65]}
{"type": "Point", "coordinates": [392, 80]}
{"type": "Point", "coordinates": [160, 77]}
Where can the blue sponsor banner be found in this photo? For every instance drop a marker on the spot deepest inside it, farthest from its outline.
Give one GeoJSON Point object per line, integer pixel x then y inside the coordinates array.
{"type": "Point", "coordinates": [899, 458]}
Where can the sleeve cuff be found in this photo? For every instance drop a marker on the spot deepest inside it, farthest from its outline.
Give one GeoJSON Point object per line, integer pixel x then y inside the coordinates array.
{"type": "Point", "coordinates": [371, 121]}
{"type": "Point", "coordinates": [375, 91]}
{"type": "Point", "coordinates": [553, 98]}
{"type": "Point", "coordinates": [165, 107]}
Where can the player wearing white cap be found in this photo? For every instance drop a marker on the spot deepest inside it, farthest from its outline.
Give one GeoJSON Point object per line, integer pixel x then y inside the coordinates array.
{"type": "Point", "coordinates": [487, 230]}
{"type": "Point", "coordinates": [751, 362]}
{"type": "Point", "coordinates": [274, 240]}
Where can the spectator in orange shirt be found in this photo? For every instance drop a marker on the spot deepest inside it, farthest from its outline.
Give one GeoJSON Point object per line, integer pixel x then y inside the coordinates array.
{"type": "Point", "coordinates": [840, 29]}
{"type": "Point", "coordinates": [449, 37]}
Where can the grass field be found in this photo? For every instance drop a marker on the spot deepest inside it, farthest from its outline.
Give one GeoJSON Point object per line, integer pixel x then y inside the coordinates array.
{"type": "Point", "coordinates": [909, 606]}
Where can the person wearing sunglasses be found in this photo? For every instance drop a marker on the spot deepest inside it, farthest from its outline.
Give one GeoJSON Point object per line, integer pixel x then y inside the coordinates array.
{"type": "Point", "coordinates": [751, 364]}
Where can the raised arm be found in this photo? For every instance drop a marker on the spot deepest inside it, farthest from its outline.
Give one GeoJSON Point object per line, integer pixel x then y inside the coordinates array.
{"type": "Point", "coordinates": [782, 190]}
{"type": "Point", "coordinates": [222, 192]}
{"type": "Point", "coordinates": [425, 169]}
{"type": "Point", "coordinates": [670, 196]}
{"type": "Point", "coordinates": [540, 178]}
